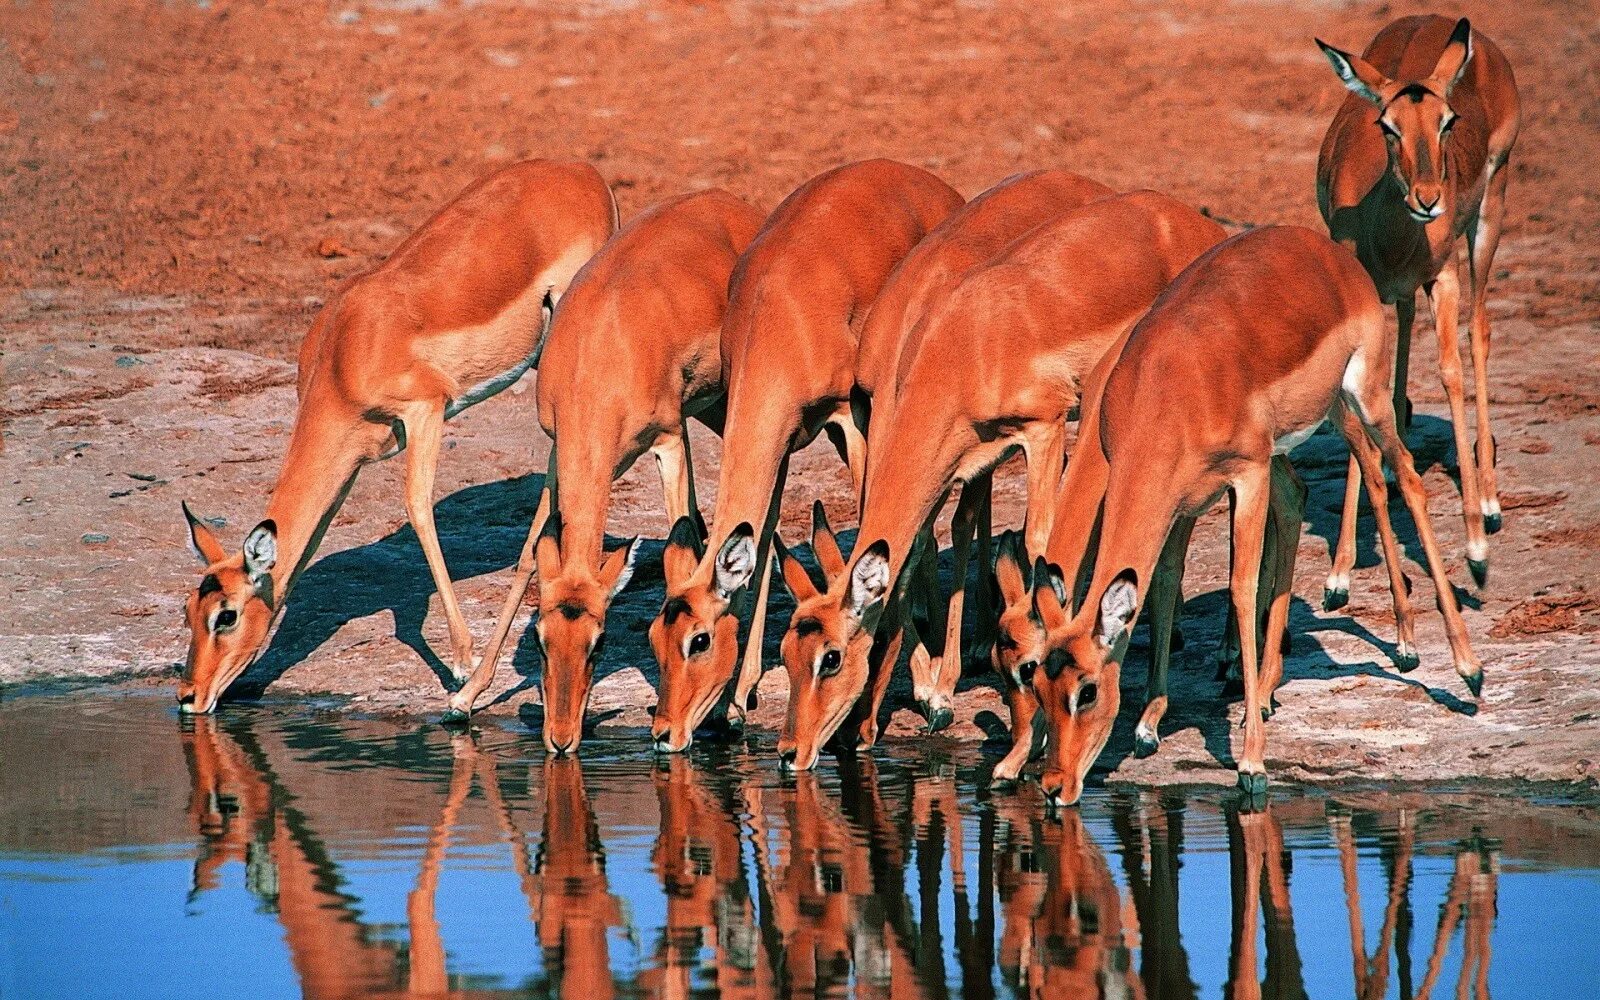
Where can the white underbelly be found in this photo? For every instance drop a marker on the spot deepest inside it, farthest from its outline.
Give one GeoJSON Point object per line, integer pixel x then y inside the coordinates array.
{"type": "Point", "coordinates": [1289, 442]}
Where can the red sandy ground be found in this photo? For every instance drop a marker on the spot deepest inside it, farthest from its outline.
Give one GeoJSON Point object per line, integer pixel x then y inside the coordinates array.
{"type": "Point", "coordinates": [181, 184]}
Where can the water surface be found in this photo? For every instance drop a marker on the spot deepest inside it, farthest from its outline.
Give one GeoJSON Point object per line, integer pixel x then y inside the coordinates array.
{"type": "Point", "coordinates": [278, 851]}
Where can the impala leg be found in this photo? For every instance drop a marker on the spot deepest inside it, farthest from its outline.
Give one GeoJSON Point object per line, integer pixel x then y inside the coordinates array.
{"type": "Point", "coordinates": [424, 425]}
{"type": "Point", "coordinates": [462, 701]}
{"type": "Point", "coordinates": [1166, 595]}
{"type": "Point", "coordinates": [1378, 422]}
{"type": "Point", "coordinates": [1026, 733]}
{"type": "Point", "coordinates": [1444, 295]}
{"type": "Point", "coordinates": [923, 570]}
{"type": "Point", "coordinates": [851, 443]}
{"type": "Point", "coordinates": [947, 670]}
{"type": "Point", "coordinates": [1482, 241]}
{"type": "Point", "coordinates": [1336, 592]}
{"type": "Point", "coordinates": [677, 488]}
{"type": "Point", "coordinates": [1405, 311]}
{"type": "Point", "coordinates": [1287, 508]}
{"type": "Point", "coordinates": [985, 627]}
{"type": "Point", "coordinates": [880, 661]}
{"type": "Point", "coordinates": [1366, 454]}
{"type": "Point", "coordinates": [749, 674]}
{"type": "Point", "coordinates": [1046, 460]}
{"type": "Point", "coordinates": [1251, 491]}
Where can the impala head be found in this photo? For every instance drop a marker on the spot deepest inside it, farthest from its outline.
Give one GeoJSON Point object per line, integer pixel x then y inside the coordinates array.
{"type": "Point", "coordinates": [1076, 682]}
{"type": "Point", "coordinates": [825, 650]}
{"type": "Point", "coordinates": [1020, 640]}
{"type": "Point", "coordinates": [1415, 116]}
{"type": "Point", "coordinates": [229, 613]}
{"type": "Point", "coordinates": [573, 598]}
{"type": "Point", "coordinates": [696, 635]}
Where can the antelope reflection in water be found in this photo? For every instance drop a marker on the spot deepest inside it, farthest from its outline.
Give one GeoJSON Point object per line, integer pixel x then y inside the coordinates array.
{"type": "Point", "coordinates": [801, 890]}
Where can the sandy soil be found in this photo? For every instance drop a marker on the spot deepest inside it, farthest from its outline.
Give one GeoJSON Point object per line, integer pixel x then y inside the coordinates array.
{"type": "Point", "coordinates": [181, 184]}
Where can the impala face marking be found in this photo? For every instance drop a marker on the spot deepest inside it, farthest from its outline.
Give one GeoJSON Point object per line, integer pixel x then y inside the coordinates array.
{"type": "Point", "coordinates": [229, 613]}
{"type": "Point", "coordinates": [696, 636]}
{"type": "Point", "coordinates": [1077, 683]}
{"type": "Point", "coordinates": [826, 651]}
{"type": "Point", "coordinates": [1415, 117]}
{"type": "Point", "coordinates": [572, 632]}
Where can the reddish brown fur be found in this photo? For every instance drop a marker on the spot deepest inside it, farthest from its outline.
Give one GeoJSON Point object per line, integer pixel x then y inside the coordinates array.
{"type": "Point", "coordinates": [997, 366]}
{"type": "Point", "coordinates": [633, 352]}
{"type": "Point", "coordinates": [458, 303]}
{"type": "Point", "coordinates": [1381, 171]}
{"type": "Point", "coordinates": [797, 300]}
{"type": "Point", "coordinates": [1263, 337]}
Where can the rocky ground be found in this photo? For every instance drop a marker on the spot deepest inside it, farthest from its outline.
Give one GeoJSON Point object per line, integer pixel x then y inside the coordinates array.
{"type": "Point", "coordinates": [181, 185]}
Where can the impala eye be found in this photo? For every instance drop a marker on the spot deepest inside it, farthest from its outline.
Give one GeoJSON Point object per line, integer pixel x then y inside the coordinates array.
{"type": "Point", "coordinates": [226, 618]}
{"type": "Point", "coordinates": [1088, 695]}
{"type": "Point", "coordinates": [1025, 671]}
{"type": "Point", "coordinates": [699, 643]}
{"type": "Point", "coordinates": [829, 664]}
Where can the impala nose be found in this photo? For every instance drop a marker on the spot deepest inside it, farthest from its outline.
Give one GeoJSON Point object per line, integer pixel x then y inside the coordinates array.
{"type": "Point", "coordinates": [786, 759]}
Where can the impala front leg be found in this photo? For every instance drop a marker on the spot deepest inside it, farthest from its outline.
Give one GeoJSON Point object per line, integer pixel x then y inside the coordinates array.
{"type": "Point", "coordinates": [1444, 295]}
{"type": "Point", "coordinates": [424, 426]}
{"type": "Point", "coordinates": [1045, 449]}
{"type": "Point", "coordinates": [1027, 733]}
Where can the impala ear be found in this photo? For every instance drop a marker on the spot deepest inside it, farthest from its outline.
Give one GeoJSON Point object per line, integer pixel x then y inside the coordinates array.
{"type": "Point", "coordinates": [685, 548]}
{"type": "Point", "coordinates": [824, 544]}
{"type": "Point", "coordinates": [617, 568]}
{"type": "Point", "coordinates": [1360, 77]}
{"type": "Point", "coordinates": [1048, 604]}
{"type": "Point", "coordinates": [736, 562]}
{"type": "Point", "coordinates": [869, 581]}
{"type": "Point", "coordinates": [1453, 60]}
{"type": "Point", "coordinates": [795, 577]}
{"type": "Point", "coordinates": [1117, 607]}
{"type": "Point", "coordinates": [1010, 570]}
{"type": "Point", "coordinates": [201, 540]}
{"type": "Point", "coordinates": [261, 551]}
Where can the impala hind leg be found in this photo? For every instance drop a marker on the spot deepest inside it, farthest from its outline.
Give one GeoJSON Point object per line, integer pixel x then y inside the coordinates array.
{"type": "Point", "coordinates": [424, 427]}
{"type": "Point", "coordinates": [1166, 596]}
{"type": "Point", "coordinates": [923, 587]}
{"type": "Point", "coordinates": [463, 700]}
{"type": "Point", "coordinates": [749, 673]}
{"type": "Point", "coordinates": [1380, 435]}
{"type": "Point", "coordinates": [1444, 295]}
{"type": "Point", "coordinates": [863, 718]}
{"type": "Point", "coordinates": [986, 625]}
{"type": "Point", "coordinates": [1252, 491]}
{"type": "Point", "coordinates": [947, 669]}
{"type": "Point", "coordinates": [1483, 239]}
{"type": "Point", "coordinates": [1287, 506]}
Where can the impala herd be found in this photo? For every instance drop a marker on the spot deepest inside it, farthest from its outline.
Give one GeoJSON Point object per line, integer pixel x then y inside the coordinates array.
{"type": "Point", "coordinates": [931, 338]}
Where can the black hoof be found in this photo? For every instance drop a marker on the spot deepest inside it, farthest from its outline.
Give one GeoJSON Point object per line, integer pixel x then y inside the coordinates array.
{"type": "Point", "coordinates": [1479, 570]}
{"type": "Point", "coordinates": [1333, 600]}
{"type": "Point", "coordinates": [1492, 523]}
{"type": "Point", "coordinates": [940, 719]}
{"type": "Point", "coordinates": [1143, 747]}
{"type": "Point", "coordinates": [1406, 662]}
{"type": "Point", "coordinates": [454, 718]}
{"type": "Point", "coordinates": [1475, 683]}
{"type": "Point", "coordinates": [1252, 785]}
{"type": "Point", "coordinates": [1267, 711]}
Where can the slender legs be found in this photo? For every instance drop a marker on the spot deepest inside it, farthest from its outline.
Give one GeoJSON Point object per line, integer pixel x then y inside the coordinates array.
{"type": "Point", "coordinates": [1252, 491]}
{"type": "Point", "coordinates": [1444, 296]}
{"type": "Point", "coordinates": [946, 669]}
{"type": "Point", "coordinates": [1483, 239]}
{"type": "Point", "coordinates": [424, 426]}
{"type": "Point", "coordinates": [1288, 507]}
{"type": "Point", "coordinates": [1166, 593]}
{"type": "Point", "coordinates": [750, 666]}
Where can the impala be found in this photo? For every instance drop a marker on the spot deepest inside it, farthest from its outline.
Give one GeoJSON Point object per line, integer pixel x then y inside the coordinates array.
{"type": "Point", "coordinates": [796, 303]}
{"type": "Point", "coordinates": [972, 234]}
{"type": "Point", "coordinates": [456, 314]}
{"type": "Point", "coordinates": [1400, 187]}
{"type": "Point", "coordinates": [997, 369]}
{"type": "Point", "coordinates": [632, 354]}
{"type": "Point", "coordinates": [1243, 356]}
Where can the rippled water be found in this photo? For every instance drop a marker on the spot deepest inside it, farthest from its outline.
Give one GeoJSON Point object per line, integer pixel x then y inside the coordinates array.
{"type": "Point", "coordinates": [276, 851]}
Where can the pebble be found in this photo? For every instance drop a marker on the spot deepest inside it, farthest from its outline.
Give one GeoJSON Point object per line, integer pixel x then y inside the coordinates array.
{"type": "Point", "coordinates": [127, 361]}
{"type": "Point", "coordinates": [95, 538]}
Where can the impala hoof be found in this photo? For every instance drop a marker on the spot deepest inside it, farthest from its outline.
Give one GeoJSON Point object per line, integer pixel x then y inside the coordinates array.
{"type": "Point", "coordinates": [1145, 745]}
{"type": "Point", "coordinates": [1479, 568]}
{"type": "Point", "coordinates": [1252, 784]}
{"type": "Point", "coordinates": [1492, 523]}
{"type": "Point", "coordinates": [938, 718]}
{"type": "Point", "coordinates": [1334, 599]}
{"type": "Point", "coordinates": [455, 717]}
{"type": "Point", "coordinates": [1475, 683]}
{"type": "Point", "coordinates": [1405, 659]}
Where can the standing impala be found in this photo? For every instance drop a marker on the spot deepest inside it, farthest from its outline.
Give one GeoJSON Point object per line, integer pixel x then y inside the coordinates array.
{"type": "Point", "coordinates": [455, 315]}
{"type": "Point", "coordinates": [632, 354]}
{"type": "Point", "coordinates": [972, 234]}
{"type": "Point", "coordinates": [1243, 357]}
{"type": "Point", "coordinates": [997, 368]}
{"type": "Point", "coordinates": [1399, 187]}
{"type": "Point", "coordinates": [796, 303]}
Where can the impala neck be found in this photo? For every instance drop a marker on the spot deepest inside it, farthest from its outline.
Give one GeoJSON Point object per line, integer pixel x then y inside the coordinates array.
{"type": "Point", "coordinates": [909, 476]}
{"type": "Point", "coordinates": [583, 497]}
{"type": "Point", "coordinates": [1133, 531]}
{"type": "Point", "coordinates": [753, 452]}
{"type": "Point", "coordinates": [317, 473]}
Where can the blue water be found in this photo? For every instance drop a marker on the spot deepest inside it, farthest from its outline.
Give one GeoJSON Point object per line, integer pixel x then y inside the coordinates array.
{"type": "Point", "coordinates": [277, 852]}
